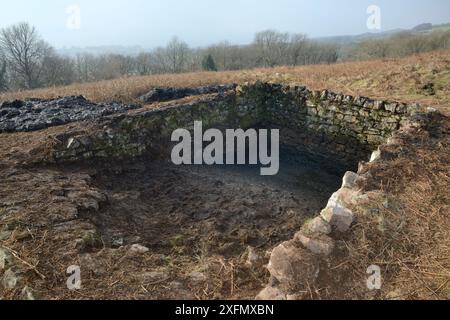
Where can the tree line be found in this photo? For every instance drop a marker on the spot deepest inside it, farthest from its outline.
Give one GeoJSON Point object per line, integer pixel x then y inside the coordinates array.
{"type": "Point", "coordinates": [399, 45]}
{"type": "Point", "coordinates": [28, 62]}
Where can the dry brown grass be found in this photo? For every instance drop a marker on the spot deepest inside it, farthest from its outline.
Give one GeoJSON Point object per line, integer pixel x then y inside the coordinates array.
{"type": "Point", "coordinates": [399, 79]}
{"type": "Point", "coordinates": [405, 229]}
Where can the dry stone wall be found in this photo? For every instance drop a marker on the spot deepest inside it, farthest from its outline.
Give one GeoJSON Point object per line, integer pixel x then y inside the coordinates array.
{"type": "Point", "coordinates": [326, 125]}
{"type": "Point", "coordinates": [295, 265]}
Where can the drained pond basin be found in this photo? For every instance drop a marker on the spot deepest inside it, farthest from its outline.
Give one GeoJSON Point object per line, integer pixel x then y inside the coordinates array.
{"type": "Point", "coordinates": [208, 230]}
{"type": "Point", "coordinates": [222, 208]}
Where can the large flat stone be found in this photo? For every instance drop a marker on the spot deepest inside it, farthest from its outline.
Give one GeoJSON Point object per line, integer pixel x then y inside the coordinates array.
{"type": "Point", "coordinates": [292, 265]}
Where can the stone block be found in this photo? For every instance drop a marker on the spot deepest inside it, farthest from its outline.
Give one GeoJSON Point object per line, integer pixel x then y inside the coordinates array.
{"type": "Point", "coordinates": [292, 265]}
{"type": "Point", "coordinates": [318, 244]}
{"type": "Point", "coordinates": [338, 217]}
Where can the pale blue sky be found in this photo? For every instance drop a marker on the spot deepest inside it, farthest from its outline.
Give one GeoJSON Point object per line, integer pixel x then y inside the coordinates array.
{"type": "Point", "coordinates": [150, 23]}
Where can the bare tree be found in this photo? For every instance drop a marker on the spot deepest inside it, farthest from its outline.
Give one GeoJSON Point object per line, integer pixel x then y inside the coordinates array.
{"type": "Point", "coordinates": [25, 52]}
{"type": "Point", "coordinates": [221, 54]}
{"type": "Point", "coordinates": [162, 64]}
{"type": "Point", "coordinates": [177, 52]}
{"type": "Point", "coordinates": [57, 70]}
{"type": "Point", "coordinates": [84, 67]}
{"type": "Point", "coordinates": [3, 78]}
{"type": "Point", "coordinates": [297, 47]}
{"type": "Point", "coordinates": [144, 63]}
{"type": "Point", "coordinates": [272, 46]}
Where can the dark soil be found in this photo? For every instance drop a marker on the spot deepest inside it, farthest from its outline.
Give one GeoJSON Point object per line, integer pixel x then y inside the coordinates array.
{"type": "Point", "coordinates": [187, 212]}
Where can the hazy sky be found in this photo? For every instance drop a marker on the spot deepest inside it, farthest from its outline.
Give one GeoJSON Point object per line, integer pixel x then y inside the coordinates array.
{"type": "Point", "coordinates": [150, 23]}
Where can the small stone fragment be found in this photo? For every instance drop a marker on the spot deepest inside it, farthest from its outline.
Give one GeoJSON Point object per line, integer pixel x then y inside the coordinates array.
{"type": "Point", "coordinates": [6, 259]}
{"type": "Point", "coordinates": [10, 279]}
{"type": "Point", "coordinates": [376, 155]}
{"type": "Point", "coordinates": [253, 259]}
{"type": "Point", "coordinates": [197, 277]}
{"type": "Point", "coordinates": [139, 249]}
{"type": "Point", "coordinates": [152, 277]}
{"type": "Point", "coordinates": [28, 294]}
{"type": "Point", "coordinates": [271, 294]}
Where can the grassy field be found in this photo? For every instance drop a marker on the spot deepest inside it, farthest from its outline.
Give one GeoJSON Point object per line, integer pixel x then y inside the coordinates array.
{"type": "Point", "coordinates": [423, 78]}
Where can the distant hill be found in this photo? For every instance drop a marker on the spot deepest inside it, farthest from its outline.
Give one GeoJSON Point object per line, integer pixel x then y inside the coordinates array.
{"type": "Point", "coordinates": [349, 39]}
{"type": "Point", "coordinates": [423, 27]}
{"type": "Point", "coordinates": [341, 40]}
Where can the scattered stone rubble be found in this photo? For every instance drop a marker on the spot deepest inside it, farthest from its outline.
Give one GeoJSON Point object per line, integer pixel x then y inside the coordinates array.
{"type": "Point", "coordinates": [35, 114]}
{"type": "Point", "coordinates": [167, 94]}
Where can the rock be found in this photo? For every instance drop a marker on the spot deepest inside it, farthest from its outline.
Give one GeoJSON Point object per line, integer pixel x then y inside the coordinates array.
{"type": "Point", "coordinates": [197, 277]}
{"type": "Point", "coordinates": [16, 104]}
{"type": "Point", "coordinates": [391, 107]}
{"type": "Point", "coordinates": [10, 279]}
{"type": "Point", "coordinates": [349, 180]}
{"type": "Point", "coordinates": [176, 285]}
{"type": "Point", "coordinates": [6, 259]}
{"type": "Point", "coordinates": [72, 143]}
{"type": "Point", "coordinates": [253, 259]}
{"type": "Point", "coordinates": [376, 155]}
{"type": "Point", "coordinates": [28, 294]}
{"type": "Point", "coordinates": [379, 105]}
{"type": "Point", "coordinates": [392, 141]}
{"type": "Point", "coordinates": [167, 94]}
{"type": "Point", "coordinates": [317, 225]}
{"type": "Point", "coordinates": [152, 277]}
{"type": "Point", "coordinates": [4, 235]}
{"type": "Point", "coordinates": [344, 197]}
{"type": "Point", "coordinates": [401, 108]}
{"type": "Point", "coordinates": [374, 139]}
{"type": "Point", "coordinates": [338, 217]}
{"type": "Point", "coordinates": [319, 244]}
{"type": "Point", "coordinates": [431, 110]}
{"type": "Point", "coordinates": [139, 249]}
{"type": "Point", "coordinates": [292, 266]}
{"type": "Point", "coordinates": [294, 297]}
{"type": "Point", "coordinates": [37, 114]}
{"type": "Point", "coordinates": [117, 242]}
{"type": "Point", "coordinates": [271, 294]}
